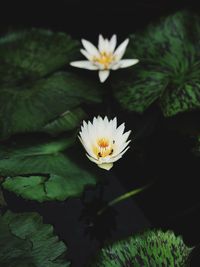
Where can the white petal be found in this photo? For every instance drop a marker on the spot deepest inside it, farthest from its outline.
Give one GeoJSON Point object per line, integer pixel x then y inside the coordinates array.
{"type": "Point", "coordinates": [100, 66]}
{"type": "Point", "coordinates": [114, 122]}
{"type": "Point", "coordinates": [113, 42]}
{"type": "Point", "coordinates": [84, 64]}
{"type": "Point", "coordinates": [123, 152]}
{"type": "Point", "coordinates": [106, 121]}
{"type": "Point", "coordinates": [105, 166]}
{"type": "Point", "coordinates": [102, 127]}
{"type": "Point", "coordinates": [124, 63]}
{"type": "Point", "coordinates": [122, 147]}
{"type": "Point", "coordinates": [103, 75]}
{"type": "Point", "coordinates": [119, 52]}
{"type": "Point", "coordinates": [106, 46]}
{"type": "Point", "coordinates": [90, 48]}
{"type": "Point", "coordinates": [115, 65]}
{"type": "Point", "coordinates": [101, 45]}
{"type": "Point", "coordinates": [86, 54]}
{"type": "Point", "coordinates": [87, 146]}
{"type": "Point", "coordinates": [119, 156]}
{"type": "Point", "coordinates": [120, 130]}
{"type": "Point", "coordinates": [125, 136]}
{"type": "Point", "coordinates": [92, 159]}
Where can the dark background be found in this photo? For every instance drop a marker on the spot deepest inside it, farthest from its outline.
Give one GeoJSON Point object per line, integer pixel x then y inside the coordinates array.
{"type": "Point", "coordinates": [161, 151]}
{"type": "Point", "coordinates": [88, 18]}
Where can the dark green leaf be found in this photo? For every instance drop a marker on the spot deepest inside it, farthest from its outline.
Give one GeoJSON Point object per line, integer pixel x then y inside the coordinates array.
{"type": "Point", "coordinates": [168, 70]}
{"type": "Point", "coordinates": [167, 35]}
{"type": "Point", "coordinates": [153, 248]}
{"type": "Point", "coordinates": [13, 250]}
{"type": "Point", "coordinates": [30, 108]}
{"type": "Point", "coordinates": [27, 242]}
{"type": "Point", "coordinates": [44, 171]}
{"type": "Point", "coordinates": [67, 121]}
{"type": "Point", "coordinates": [140, 88]}
{"type": "Point", "coordinates": [55, 187]}
{"type": "Point", "coordinates": [2, 200]}
{"type": "Point", "coordinates": [182, 99]}
{"type": "Point", "coordinates": [28, 55]}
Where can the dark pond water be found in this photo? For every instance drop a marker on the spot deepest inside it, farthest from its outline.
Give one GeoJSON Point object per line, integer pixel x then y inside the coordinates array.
{"type": "Point", "coordinates": [161, 153]}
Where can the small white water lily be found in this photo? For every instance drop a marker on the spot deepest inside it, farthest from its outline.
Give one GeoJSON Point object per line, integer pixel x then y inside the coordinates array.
{"type": "Point", "coordinates": [103, 141]}
{"type": "Point", "coordinates": [105, 58]}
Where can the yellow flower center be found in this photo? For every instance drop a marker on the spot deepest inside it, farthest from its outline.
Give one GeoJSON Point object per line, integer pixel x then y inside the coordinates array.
{"type": "Point", "coordinates": [103, 148]}
{"type": "Point", "coordinates": [105, 59]}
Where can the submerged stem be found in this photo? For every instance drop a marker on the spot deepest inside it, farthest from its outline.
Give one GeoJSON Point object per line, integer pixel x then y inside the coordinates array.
{"type": "Point", "coordinates": [122, 197]}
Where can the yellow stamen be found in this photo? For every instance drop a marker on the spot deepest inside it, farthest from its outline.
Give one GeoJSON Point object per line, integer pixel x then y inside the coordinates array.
{"type": "Point", "coordinates": [103, 148]}
{"type": "Point", "coordinates": [105, 59]}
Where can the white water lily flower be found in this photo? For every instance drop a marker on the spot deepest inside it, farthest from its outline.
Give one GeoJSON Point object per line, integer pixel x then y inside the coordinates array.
{"type": "Point", "coordinates": [103, 141]}
{"type": "Point", "coordinates": [105, 58]}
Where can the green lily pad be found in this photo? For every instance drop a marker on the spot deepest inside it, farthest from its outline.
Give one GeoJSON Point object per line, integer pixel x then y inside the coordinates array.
{"type": "Point", "coordinates": [31, 107]}
{"type": "Point", "coordinates": [132, 91]}
{"type": "Point", "coordinates": [32, 54]}
{"type": "Point", "coordinates": [44, 171]}
{"type": "Point", "coordinates": [183, 98]}
{"type": "Point", "coordinates": [67, 121]}
{"type": "Point", "coordinates": [25, 241]}
{"type": "Point", "coordinates": [34, 92]}
{"type": "Point", "coordinates": [168, 71]}
{"type": "Point", "coordinates": [153, 248]}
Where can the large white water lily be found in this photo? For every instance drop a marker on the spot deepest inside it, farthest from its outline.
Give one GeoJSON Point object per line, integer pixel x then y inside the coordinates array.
{"type": "Point", "coordinates": [103, 141]}
{"type": "Point", "coordinates": [105, 57]}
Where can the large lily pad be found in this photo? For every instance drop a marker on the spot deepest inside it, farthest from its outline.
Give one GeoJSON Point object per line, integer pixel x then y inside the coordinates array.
{"type": "Point", "coordinates": [67, 121]}
{"type": "Point", "coordinates": [33, 92]}
{"type": "Point", "coordinates": [168, 71]}
{"type": "Point", "coordinates": [183, 98]}
{"type": "Point", "coordinates": [32, 54]}
{"type": "Point", "coordinates": [25, 241]}
{"type": "Point", "coordinates": [30, 107]}
{"type": "Point", "coordinates": [153, 248]}
{"type": "Point", "coordinates": [44, 171]}
{"type": "Point", "coordinates": [132, 90]}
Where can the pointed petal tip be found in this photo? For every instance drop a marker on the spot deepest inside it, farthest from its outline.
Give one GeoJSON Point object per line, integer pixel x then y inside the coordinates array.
{"type": "Point", "coordinates": [125, 63]}
{"type": "Point", "coordinates": [126, 40]}
{"type": "Point", "coordinates": [83, 41]}
{"type": "Point", "coordinates": [103, 75]}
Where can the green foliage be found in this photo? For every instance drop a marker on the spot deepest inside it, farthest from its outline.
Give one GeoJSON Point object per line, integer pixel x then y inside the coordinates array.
{"type": "Point", "coordinates": [151, 249]}
{"type": "Point", "coordinates": [169, 67]}
{"type": "Point", "coordinates": [183, 98]}
{"type": "Point", "coordinates": [43, 171]}
{"type": "Point", "coordinates": [26, 109]}
{"type": "Point", "coordinates": [32, 94]}
{"type": "Point", "coordinates": [132, 90]}
{"type": "Point", "coordinates": [67, 121]}
{"type": "Point", "coordinates": [27, 242]}
{"type": "Point", "coordinates": [2, 200]}
{"type": "Point", "coordinates": [32, 54]}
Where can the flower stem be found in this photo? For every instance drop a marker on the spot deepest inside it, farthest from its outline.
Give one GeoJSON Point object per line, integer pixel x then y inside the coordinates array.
{"type": "Point", "coordinates": [122, 197]}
